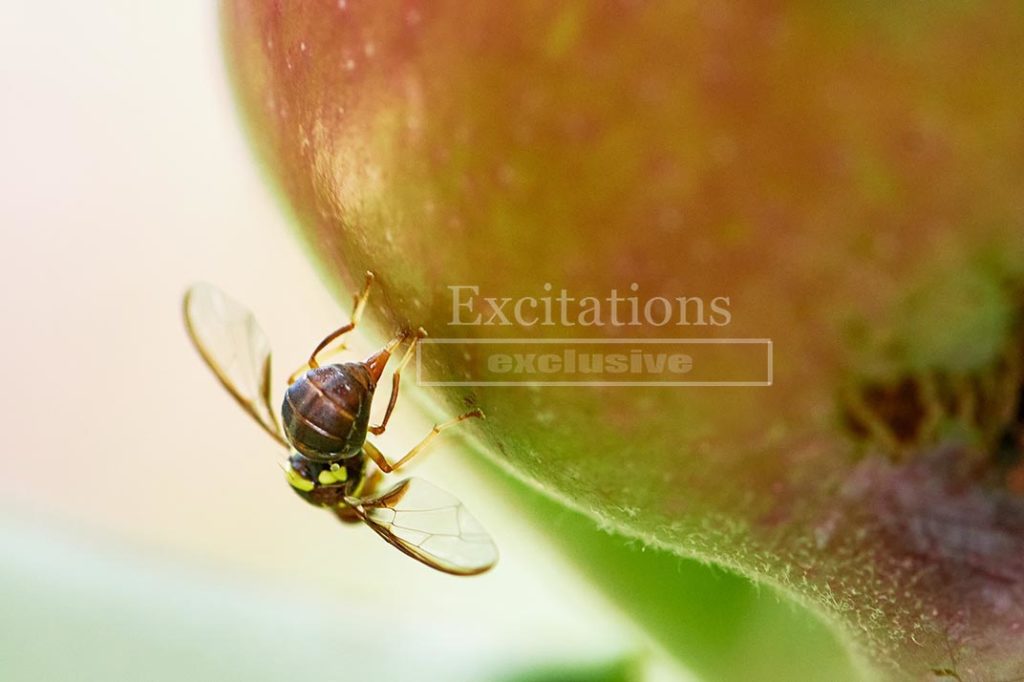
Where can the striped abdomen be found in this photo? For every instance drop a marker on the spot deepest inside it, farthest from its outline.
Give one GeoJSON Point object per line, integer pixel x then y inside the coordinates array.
{"type": "Point", "coordinates": [326, 411]}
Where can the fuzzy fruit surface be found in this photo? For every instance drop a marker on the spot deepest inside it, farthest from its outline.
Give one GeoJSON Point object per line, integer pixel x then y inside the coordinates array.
{"type": "Point", "coordinates": [848, 179]}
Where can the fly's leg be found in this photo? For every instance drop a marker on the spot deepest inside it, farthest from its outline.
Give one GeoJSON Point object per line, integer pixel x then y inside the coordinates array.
{"type": "Point", "coordinates": [381, 461]}
{"type": "Point", "coordinates": [395, 378]}
{"type": "Point", "coordinates": [358, 305]}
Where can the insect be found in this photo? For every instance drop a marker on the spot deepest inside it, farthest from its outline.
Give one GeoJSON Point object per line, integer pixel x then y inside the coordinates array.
{"type": "Point", "coordinates": [324, 422]}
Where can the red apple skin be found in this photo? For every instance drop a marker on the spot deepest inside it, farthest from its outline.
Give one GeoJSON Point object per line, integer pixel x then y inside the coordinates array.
{"type": "Point", "coordinates": [849, 178]}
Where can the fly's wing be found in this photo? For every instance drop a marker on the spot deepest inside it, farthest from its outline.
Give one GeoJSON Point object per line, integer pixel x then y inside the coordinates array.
{"type": "Point", "coordinates": [430, 525]}
{"type": "Point", "coordinates": [236, 349]}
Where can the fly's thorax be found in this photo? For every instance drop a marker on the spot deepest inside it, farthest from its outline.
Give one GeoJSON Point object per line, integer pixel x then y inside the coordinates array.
{"type": "Point", "coordinates": [325, 484]}
{"type": "Point", "coordinates": [326, 411]}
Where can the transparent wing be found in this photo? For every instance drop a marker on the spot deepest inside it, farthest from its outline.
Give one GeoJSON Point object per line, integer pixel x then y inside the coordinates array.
{"type": "Point", "coordinates": [430, 525]}
{"type": "Point", "coordinates": [236, 349]}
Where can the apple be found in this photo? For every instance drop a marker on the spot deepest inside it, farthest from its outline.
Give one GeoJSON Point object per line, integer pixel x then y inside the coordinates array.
{"type": "Point", "coordinates": [844, 181]}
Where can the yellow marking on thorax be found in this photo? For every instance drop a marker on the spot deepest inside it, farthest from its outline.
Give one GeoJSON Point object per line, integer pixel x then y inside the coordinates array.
{"type": "Point", "coordinates": [336, 474]}
{"type": "Point", "coordinates": [296, 481]}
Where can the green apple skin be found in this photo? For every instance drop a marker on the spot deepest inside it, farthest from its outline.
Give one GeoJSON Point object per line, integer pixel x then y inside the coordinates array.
{"type": "Point", "coordinates": [850, 178]}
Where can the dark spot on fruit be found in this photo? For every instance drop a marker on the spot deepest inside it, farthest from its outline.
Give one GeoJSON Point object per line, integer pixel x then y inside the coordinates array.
{"type": "Point", "coordinates": [1008, 448]}
{"type": "Point", "coordinates": [1019, 412]}
{"type": "Point", "coordinates": [981, 410]}
{"type": "Point", "coordinates": [899, 406]}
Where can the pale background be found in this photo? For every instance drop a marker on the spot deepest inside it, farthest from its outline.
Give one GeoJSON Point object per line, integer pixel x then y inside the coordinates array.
{"type": "Point", "coordinates": [145, 532]}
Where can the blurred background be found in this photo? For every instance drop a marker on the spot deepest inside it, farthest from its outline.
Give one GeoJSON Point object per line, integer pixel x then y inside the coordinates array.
{"type": "Point", "coordinates": [145, 530]}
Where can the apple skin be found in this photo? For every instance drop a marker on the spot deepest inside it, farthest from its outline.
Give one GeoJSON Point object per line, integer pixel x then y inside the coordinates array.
{"type": "Point", "coordinates": [849, 178]}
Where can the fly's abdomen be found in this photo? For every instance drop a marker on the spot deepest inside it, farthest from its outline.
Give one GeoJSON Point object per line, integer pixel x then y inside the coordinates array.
{"type": "Point", "coordinates": [326, 412]}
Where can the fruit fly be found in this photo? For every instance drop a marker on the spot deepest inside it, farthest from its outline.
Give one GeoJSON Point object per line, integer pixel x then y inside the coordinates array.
{"type": "Point", "coordinates": [323, 425]}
